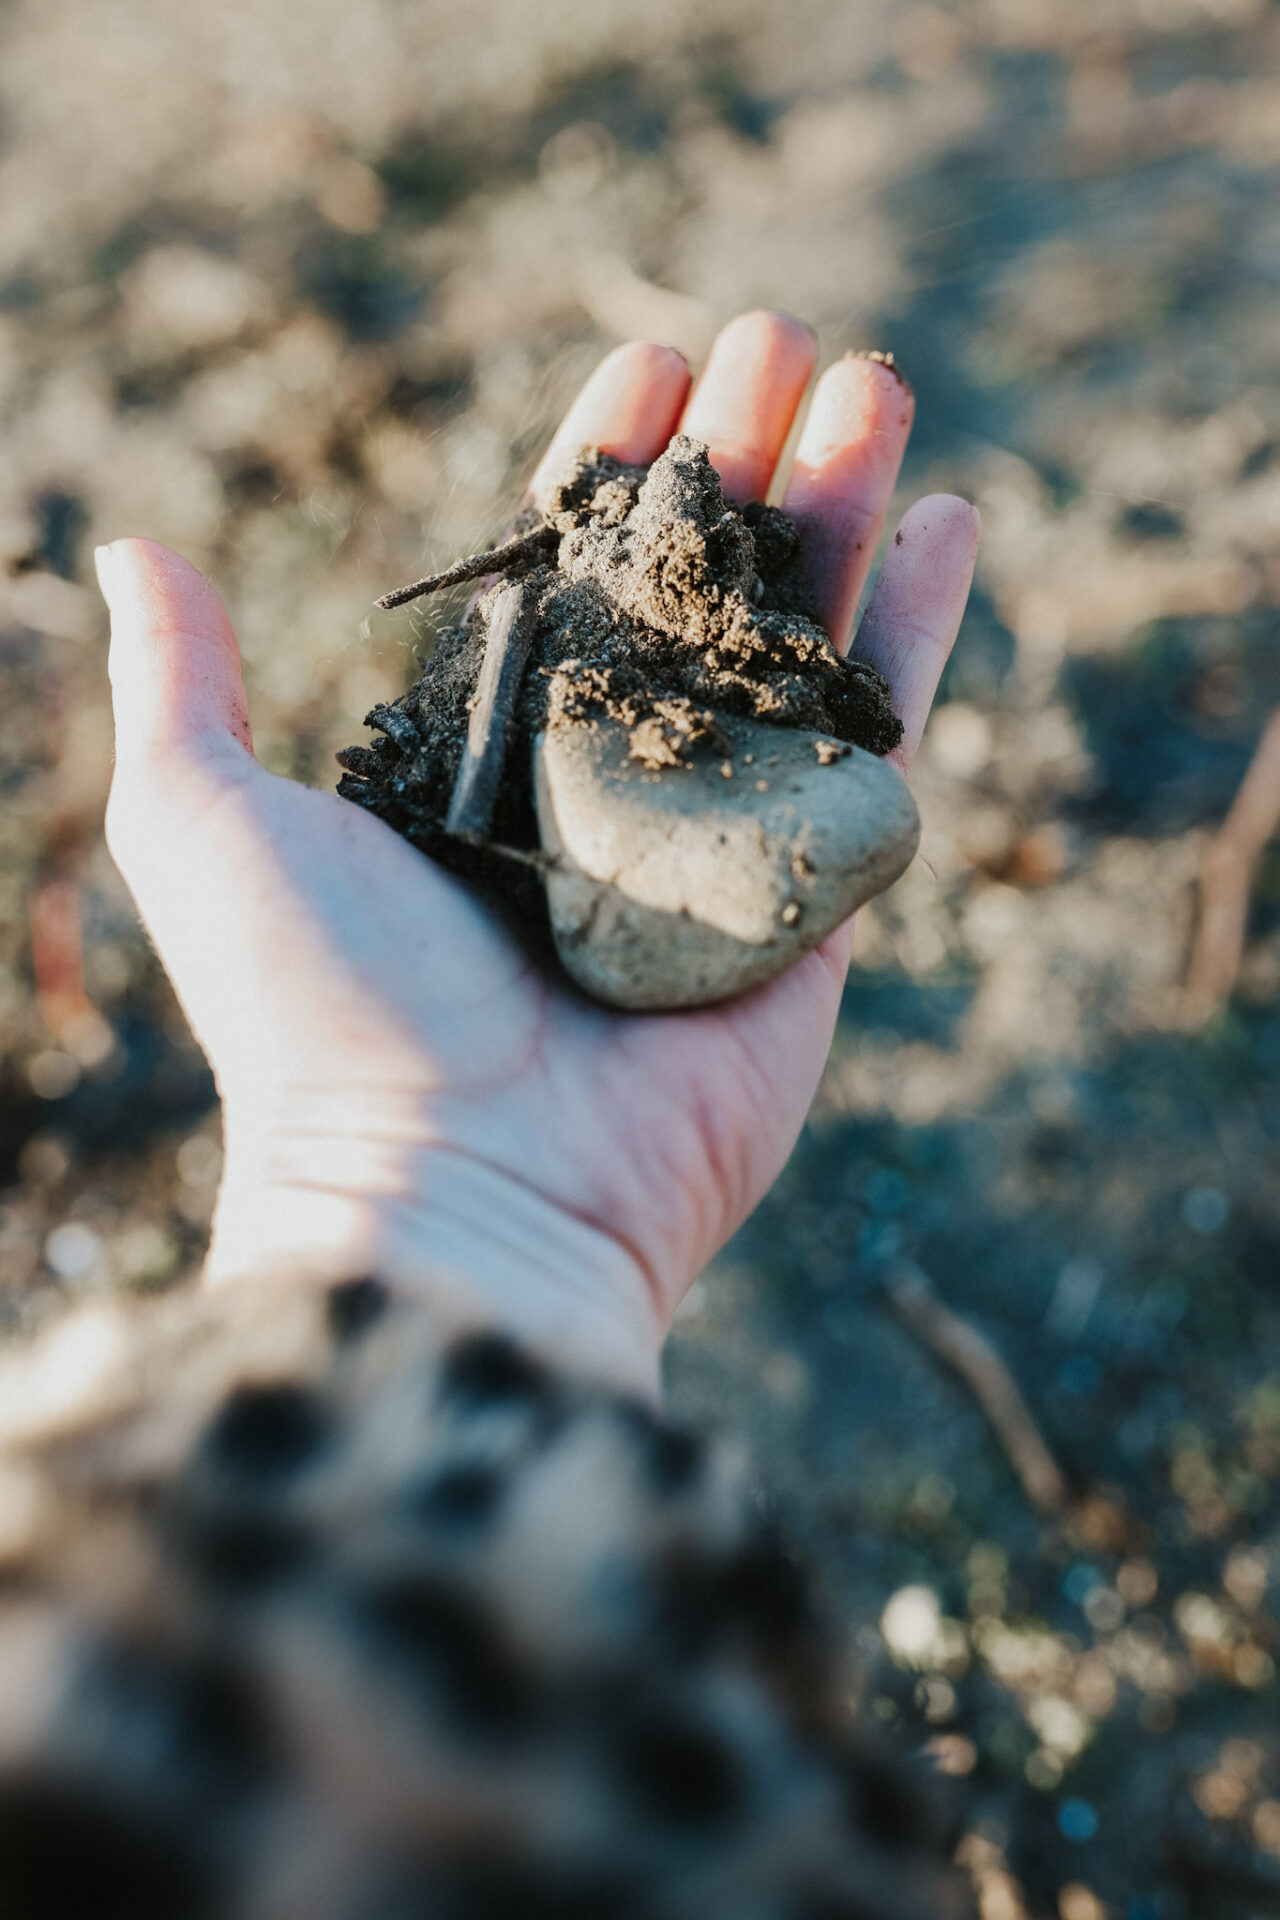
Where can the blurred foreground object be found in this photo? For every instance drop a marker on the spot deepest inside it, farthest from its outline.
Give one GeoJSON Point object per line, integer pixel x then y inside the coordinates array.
{"type": "Point", "coordinates": [319, 1603]}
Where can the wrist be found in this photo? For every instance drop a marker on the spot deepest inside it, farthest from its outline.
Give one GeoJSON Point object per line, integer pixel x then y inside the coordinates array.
{"type": "Point", "coordinates": [477, 1242]}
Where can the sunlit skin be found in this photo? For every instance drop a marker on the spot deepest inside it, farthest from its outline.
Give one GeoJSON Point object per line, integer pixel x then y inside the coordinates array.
{"type": "Point", "coordinates": [402, 1088]}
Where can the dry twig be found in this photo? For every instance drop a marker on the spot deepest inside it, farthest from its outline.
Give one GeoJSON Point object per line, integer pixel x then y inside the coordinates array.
{"type": "Point", "coordinates": [495, 560]}
{"type": "Point", "coordinates": [970, 1356]}
{"type": "Point", "coordinates": [510, 620]}
{"type": "Point", "coordinates": [1226, 875]}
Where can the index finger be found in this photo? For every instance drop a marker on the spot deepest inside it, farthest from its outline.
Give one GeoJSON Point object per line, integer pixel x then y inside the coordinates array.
{"type": "Point", "coordinates": [629, 407]}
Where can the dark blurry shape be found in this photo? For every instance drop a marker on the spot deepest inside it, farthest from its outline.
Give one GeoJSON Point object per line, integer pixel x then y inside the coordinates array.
{"type": "Point", "coordinates": [253, 483]}
{"type": "Point", "coordinates": [1160, 762]}
{"type": "Point", "coordinates": [62, 520]}
{"type": "Point", "coordinates": [673, 1456]}
{"type": "Point", "coordinates": [972, 1358]}
{"type": "Point", "coordinates": [190, 1729]}
{"type": "Point", "coordinates": [982, 657]}
{"type": "Point", "coordinates": [678, 1771]}
{"type": "Point", "coordinates": [885, 1796]}
{"type": "Point", "coordinates": [446, 392]}
{"type": "Point", "coordinates": [490, 1369]}
{"type": "Point", "coordinates": [1226, 874]}
{"type": "Point", "coordinates": [240, 1552]}
{"type": "Point", "coordinates": [267, 1432]}
{"type": "Point", "coordinates": [483, 1888]}
{"type": "Point", "coordinates": [69, 1852]}
{"type": "Point", "coordinates": [354, 1306]}
{"type": "Point", "coordinates": [439, 1634]}
{"type": "Point", "coordinates": [426, 174]}
{"type": "Point", "coordinates": [629, 102]}
{"type": "Point", "coordinates": [459, 1500]}
{"type": "Point", "coordinates": [892, 1003]}
{"type": "Point", "coordinates": [148, 1087]}
{"type": "Point", "coordinates": [1152, 520]}
{"type": "Point", "coordinates": [353, 278]}
{"type": "Point", "coordinates": [20, 292]}
{"type": "Point", "coordinates": [731, 97]}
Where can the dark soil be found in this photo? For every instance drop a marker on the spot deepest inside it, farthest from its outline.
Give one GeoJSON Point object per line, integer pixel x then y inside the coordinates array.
{"type": "Point", "coordinates": [661, 607]}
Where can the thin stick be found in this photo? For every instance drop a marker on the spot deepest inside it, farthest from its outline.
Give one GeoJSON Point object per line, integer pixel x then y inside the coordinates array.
{"type": "Point", "coordinates": [975, 1361]}
{"type": "Point", "coordinates": [1226, 876]}
{"type": "Point", "coordinates": [495, 560]}
{"type": "Point", "coordinates": [510, 620]}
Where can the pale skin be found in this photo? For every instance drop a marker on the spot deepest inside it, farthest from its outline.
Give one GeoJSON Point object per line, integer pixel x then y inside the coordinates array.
{"type": "Point", "coordinates": [403, 1089]}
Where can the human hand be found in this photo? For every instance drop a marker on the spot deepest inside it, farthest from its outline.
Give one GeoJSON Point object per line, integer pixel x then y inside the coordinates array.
{"type": "Point", "coordinates": [404, 1089]}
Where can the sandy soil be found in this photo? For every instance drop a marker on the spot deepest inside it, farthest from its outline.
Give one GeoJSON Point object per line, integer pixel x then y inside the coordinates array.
{"type": "Point", "coordinates": [300, 290]}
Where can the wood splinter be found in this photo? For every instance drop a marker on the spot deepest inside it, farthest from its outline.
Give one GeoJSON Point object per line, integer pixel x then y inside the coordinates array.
{"type": "Point", "coordinates": [971, 1356]}
{"type": "Point", "coordinates": [510, 618]}
{"type": "Point", "coordinates": [494, 560]}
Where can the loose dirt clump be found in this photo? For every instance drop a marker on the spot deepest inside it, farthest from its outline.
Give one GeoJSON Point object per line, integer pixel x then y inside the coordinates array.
{"type": "Point", "coordinates": [644, 598]}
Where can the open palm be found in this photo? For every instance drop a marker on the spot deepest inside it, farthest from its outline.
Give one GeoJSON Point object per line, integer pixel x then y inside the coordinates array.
{"type": "Point", "coordinates": [403, 1087]}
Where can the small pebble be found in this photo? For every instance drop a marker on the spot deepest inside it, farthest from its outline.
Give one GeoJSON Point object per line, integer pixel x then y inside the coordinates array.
{"type": "Point", "coordinates": [791, 913]}
{"type": "Point", "coordinates": [762, 786]}
{"type": "Point", "coordinates": [726, 769]}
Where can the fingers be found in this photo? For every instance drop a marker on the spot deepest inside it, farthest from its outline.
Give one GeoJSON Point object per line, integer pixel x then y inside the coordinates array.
{"type": "Point", "coordinates": [910, 626]}
{"type": "Point", "coordinates": [629, 407]}
{"type": "Point", "coordinates": [176, 685]}
{"type": "Point", "coordinates": [746, 400]}
{"type": "Point", "coordinates": [845, 470]}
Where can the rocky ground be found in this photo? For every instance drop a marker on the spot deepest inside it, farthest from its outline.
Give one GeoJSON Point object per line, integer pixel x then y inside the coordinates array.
{"type": "Point", "coordinates": [300, 290]}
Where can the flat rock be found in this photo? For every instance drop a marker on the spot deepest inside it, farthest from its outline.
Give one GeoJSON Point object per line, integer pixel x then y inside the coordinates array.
{"type": "Point", "coordinates": [684, 886]}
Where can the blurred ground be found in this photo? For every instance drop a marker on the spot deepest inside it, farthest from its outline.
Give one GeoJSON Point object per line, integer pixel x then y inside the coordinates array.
{"type": "Point", "coordinates": [300, 290]}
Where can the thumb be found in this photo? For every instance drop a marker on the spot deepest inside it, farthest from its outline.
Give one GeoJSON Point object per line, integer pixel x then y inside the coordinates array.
{"type": "Point", "coordinates": [175, 668]}
{"type": "Point", "coordinates": [184, 768]}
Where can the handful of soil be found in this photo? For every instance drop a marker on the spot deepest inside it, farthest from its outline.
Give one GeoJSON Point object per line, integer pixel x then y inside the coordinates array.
{"type": "Point", "coordinates": [638, 611]}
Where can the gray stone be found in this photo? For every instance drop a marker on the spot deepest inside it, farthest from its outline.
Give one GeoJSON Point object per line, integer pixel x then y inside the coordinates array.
{"type": "Point", "coordinates": [685, 886]}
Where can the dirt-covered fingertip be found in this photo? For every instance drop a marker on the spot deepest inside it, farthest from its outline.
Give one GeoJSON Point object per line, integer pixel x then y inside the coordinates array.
{"type": "Point", "coordinates": [887, 361]}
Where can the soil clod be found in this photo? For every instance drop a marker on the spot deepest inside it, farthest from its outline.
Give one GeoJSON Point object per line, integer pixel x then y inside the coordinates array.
{"type": "Point", "coordinates": [638, 601]}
